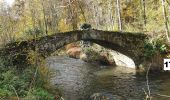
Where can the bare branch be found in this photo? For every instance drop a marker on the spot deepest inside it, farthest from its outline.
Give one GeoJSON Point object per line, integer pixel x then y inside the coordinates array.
{"type": "Point", "coordinates": [147, 80]}
{"type": "Point", "coordinates": [15, 92]}
{"type": "Point", "coordinates": [162, 95]}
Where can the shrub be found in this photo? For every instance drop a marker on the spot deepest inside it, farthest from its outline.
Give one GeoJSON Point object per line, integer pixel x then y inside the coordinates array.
{"type": "Point", "coordinates": [149, 49]}
{"type": "Point", "coordinates": [32, 32]}
{"type": "Point", "coordinates": [15, 82]}
{"type": "Point", "coordinates": [42, 94]}
{"type": "Point", "coordinates": [154, 46]}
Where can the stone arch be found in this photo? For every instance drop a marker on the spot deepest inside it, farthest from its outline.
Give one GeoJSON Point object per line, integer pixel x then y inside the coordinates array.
{"type": "Point", "coordinates": [130, 44]}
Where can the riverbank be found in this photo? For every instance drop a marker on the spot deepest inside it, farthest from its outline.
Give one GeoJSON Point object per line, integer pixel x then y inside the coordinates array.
{"type": "Point", "coordinates": [30, 82]}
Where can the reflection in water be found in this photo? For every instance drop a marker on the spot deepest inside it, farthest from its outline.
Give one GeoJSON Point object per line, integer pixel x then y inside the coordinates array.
{"type": "Point", "coordinates": [80, 80]}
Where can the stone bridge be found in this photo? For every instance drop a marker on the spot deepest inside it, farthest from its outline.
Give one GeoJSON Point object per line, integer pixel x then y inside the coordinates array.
{"type": "Point", "coordinates": [129, 44]}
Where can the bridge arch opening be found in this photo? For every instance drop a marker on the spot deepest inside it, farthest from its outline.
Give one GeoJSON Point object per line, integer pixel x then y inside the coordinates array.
{"type": "Point", "coordinates": [122, 56]}
{"type": "Point", "coordinates": [120, 59]}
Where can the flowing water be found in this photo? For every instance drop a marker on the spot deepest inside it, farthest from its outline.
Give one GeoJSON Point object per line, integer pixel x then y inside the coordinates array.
{"type": "Point", "coordinates": [79, 80]}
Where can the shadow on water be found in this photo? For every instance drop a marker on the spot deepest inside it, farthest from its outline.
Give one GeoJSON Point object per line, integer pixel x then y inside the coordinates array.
{"type": "Point", "coordinates": [82, 81]}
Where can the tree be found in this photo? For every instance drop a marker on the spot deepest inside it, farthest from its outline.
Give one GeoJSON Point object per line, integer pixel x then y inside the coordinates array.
{"type": "Point", "coordinates": [144, 12]}
{"type": "Point", "coordinates": [119, 16]}
{"type": "Point", "coordinates": [44, 17]}
{"type": "Point", "coordinates": [165, 20]}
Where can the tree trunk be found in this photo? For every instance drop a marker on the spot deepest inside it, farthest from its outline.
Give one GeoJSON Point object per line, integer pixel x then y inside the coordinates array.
{"type": "Point", "coordinates": [115, 18]}
{"type": "Point", "coordinates": [144, 13]}
{"type": "Point", "coordinates": [165, 20]}
{"type": "Point", "coordinates": [119, 16]}
{"type": "Point", "coordinates": [44, 16]}
{"type": "Point", "coordinates": [73, 14]}
{"type": "Point", "coordinates": [110, 20]}
{"type": "Point", "coordinates": [82, 11]}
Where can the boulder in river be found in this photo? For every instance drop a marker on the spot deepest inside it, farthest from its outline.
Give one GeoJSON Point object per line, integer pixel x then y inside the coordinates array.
{"type": "Point", "coordinates": [73, 50]}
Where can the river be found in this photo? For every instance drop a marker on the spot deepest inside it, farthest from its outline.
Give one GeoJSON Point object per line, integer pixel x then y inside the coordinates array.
{"type": "Point", "coordinates": [79, 80]}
